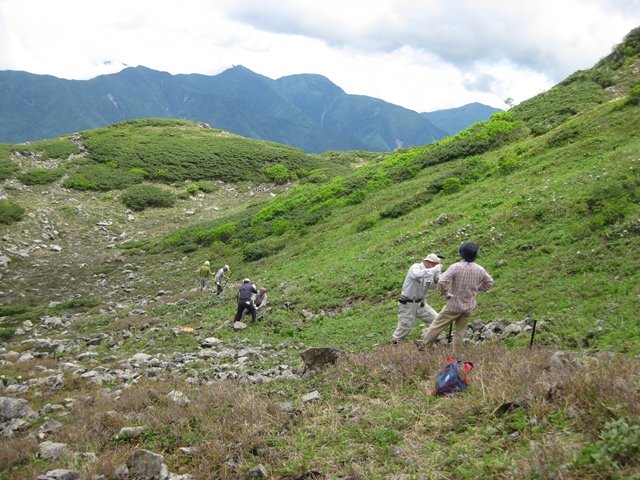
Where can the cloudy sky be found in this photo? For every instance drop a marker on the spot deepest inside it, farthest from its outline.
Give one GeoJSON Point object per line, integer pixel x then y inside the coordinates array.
{"type": "Point", "coordinates": [424, 55]}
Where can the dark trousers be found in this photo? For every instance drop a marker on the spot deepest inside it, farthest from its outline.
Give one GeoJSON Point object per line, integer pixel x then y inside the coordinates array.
{"type": "Point", "coordinates": [219, 288]}
{"type": "Point", "coordinates": [241, 307]}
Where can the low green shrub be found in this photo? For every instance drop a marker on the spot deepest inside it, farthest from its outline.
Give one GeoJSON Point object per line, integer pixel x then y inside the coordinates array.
{"type": "Point", "coordinates": [10, 212]}
{"type": "Point", "coordinates": [365, 222]}
{"type": "Point", "coordinates": [41, 176]}
{"type": "Point", "coordinates": [318, 177]}
{"type": "Point", "coordinates": [7, 333]}
{"type": "Point", "coordinates": [8, 310]}
{"type": "Point", "coordinates": [618, 445]}
{"type": "Point", "coordinates": [222, 233]}
{"type": "Point", "coordinates": [76, 305]}
{"type": "Point", "coordinates": [507, 163]}
{"type": "Point", "coordinates": [278, 173]}
{"type": "Point", "coordinates": [59, 148]}
{"type": "Point", "coordinates": [255, 251]}
{"type": "Point", "coordinates": [451, 185]}
{"type": "Point", "coordinates": [634, 96]}
{"type": "Point", "coordinates": [139, 172]}
{"type": "Point", "coordinates": [610, 212]}
{"type": "Point", "coordinates": [207, 187]}
{"type": "Point", "coordinates": [280, 226]}
{"type": "Point", "coordinates": [6, 167]}
{"type": "Point", "coordinates": [139, 197]}
{"type": "Point", "coordinates": [355, 198]}
{"type": "Point", "coordinates": [101, 178]}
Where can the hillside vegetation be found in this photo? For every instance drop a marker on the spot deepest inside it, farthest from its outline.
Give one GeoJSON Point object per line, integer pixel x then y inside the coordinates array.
{"type": "Point", "coordinates": [549, 190]}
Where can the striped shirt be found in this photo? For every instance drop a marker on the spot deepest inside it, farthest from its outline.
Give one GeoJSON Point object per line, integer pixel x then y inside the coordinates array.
{"type": "Point", "coordinates": [466, 279]}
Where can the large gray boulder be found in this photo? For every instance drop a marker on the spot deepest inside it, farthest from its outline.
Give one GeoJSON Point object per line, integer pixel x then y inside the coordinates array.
{"type": "Point", "coordinates": [11, 408]}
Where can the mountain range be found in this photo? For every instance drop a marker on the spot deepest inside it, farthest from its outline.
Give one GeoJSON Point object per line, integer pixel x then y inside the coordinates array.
{"type": "Point", "coordinates": [307, 111]}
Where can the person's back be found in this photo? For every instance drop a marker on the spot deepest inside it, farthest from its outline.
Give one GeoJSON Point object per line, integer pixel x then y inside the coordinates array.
{"type": "Point", "coordinates": [205, 272]}
{"type": "Point", "coordinates": [467, 279]}
{"type": "Point", "coordinates": [460, 285]}
{"type": "Point", "coordinates": [245, 291]}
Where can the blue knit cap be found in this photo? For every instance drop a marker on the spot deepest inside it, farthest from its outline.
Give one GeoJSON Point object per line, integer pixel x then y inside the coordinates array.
{"type": "Point", "coordinates": [469, 251]}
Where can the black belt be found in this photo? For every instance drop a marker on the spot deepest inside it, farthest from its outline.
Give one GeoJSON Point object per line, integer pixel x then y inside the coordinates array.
{"type": "Point", "coordinates": [407, 300]}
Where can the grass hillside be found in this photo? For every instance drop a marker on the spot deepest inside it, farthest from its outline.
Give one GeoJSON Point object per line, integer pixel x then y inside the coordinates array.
{"type": "Point", "coordinates": [106, 230]}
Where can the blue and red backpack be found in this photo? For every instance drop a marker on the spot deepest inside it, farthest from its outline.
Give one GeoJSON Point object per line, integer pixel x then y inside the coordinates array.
{"type": "Point", "coordinates": [449, 380]}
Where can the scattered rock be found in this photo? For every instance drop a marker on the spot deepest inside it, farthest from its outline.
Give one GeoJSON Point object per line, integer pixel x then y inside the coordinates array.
{"type": "Point", "coordinates": [53, 451]}
{"type": "Point", "coordinates": [311, 397]}
{"type": "Point", "coordinates": [144, 464]}
{"type": "Point", "coordinates": [59, 474]}
{"type": "Point", "coordinates": [259, 471]}
{"type": "Point", "coordinates": [317, 358]}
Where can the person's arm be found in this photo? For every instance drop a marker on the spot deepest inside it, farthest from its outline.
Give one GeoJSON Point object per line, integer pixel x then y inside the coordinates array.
{"type": "Point", "coordinates": [445, 279]}
{"type": "Point", "coordinates": [419, 271]}
{"type": "Point", "coordinates": [486, 283]}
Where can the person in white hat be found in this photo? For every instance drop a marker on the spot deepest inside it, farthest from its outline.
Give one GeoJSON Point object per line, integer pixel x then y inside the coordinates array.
{"type": "Point", "coordinates": [412, 304]}
{"type": "Point", "coordinates": [205, 273]}
{"type": "Point", "coordinates": [218, 278]}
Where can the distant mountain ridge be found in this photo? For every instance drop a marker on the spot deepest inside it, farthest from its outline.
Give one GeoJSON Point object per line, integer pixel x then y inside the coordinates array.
{"type": "Point", "coordinates": [454, 120]}
{"type": "Point", "coordinates": [307, 111]}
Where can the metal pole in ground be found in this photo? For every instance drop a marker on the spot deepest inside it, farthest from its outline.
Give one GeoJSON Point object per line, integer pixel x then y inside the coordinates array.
{"type": "Point", "coordinates": [449, 336]}
{"type": "Point", "coordinates": [533, 332]}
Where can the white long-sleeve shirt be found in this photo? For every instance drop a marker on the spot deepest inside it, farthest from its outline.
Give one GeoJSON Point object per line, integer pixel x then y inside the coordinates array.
{"type": "Point", "coordinates": [219, 276]}
{"type": "Point", "coordinates": [419, 279]}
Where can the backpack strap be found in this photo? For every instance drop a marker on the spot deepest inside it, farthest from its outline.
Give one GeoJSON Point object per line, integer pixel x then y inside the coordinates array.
{"type": "Point", "coordinates": [467, 368]}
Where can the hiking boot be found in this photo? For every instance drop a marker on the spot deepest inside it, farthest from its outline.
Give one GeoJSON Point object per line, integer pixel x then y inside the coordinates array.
{"type": "Point", "coordinates": [419, 344]}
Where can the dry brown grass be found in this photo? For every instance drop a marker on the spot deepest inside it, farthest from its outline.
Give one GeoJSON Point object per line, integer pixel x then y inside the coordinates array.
{"type": "Point", "coordinates": [371, 403]}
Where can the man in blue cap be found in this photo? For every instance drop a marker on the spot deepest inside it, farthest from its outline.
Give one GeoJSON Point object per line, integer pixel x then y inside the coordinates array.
{"type": "Point", "coordinates": [460, 285]}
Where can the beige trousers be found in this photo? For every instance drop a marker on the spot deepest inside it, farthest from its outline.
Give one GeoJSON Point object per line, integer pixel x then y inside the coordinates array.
{"type": "Point", "coordinates": [442, 321]}
{"type": "Point", "coordinates": [407, 314]}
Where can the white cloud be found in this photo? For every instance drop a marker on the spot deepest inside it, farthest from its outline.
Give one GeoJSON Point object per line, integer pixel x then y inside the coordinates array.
{"type": "Point", "coordinates": [422, 54]}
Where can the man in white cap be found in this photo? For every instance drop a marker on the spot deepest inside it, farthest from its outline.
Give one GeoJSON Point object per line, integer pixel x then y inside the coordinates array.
{"type": "Point", "coordinates": [412, 304]}
{"type": "Point", "coordinates": [218, 278]}
{"type": "Point", "coordinates": [205, 273]}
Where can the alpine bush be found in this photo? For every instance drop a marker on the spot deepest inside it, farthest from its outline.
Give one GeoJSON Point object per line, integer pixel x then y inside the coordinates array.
{"type": "Point", "coordinates": [207, 187]}
{"type": "Point", "coordinates": [41, 176]}
{"type": "Point", "coordinates": [451, 185]}
{"type": "Point", "coordinates": [59, 148]}
{"type": "Point", "coordinates": [8, 310]}
{"type": "Point", "coordinates": [101, 178]}
{"type": "Point", "coordinates": [278, 173]}
{"type": "Point", "coordinates": [140, 197]}
{"type": "Point", "coordinates": [10, 212]}
{"type": "Point", "coordinates": [365, 222]}
{"type": "Point", "coordinates": [507, 163]}
{"type": "Point", "coordinates": [6, 168]}
{"type": "Point", "coordinates": [7, 333]}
